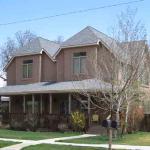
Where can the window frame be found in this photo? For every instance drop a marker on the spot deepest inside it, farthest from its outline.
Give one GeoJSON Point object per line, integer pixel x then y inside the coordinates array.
{"type": "Point", "coordinates": [27, 66]}
{"type": "Point", "coordinates": [78, 57]}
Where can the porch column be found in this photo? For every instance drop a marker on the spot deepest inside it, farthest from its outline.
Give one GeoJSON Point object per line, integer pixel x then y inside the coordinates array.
{"type": "Point", "coordinates": [69, 104]}
{"type": "Point", "coordinates": [24, 104]}
{"type": "Point", "coordinates": [89, 105]}
{"type": "Point", "coordinates": [41, 104]}
{"type": "Point", "coordinates": [33, 102]}
{"type": "Point", "coordinates": [89, 109]}
{"type": "Point", "coordinates": [50, 103]}
{"type": "Point", "coordinates": [10, 105]}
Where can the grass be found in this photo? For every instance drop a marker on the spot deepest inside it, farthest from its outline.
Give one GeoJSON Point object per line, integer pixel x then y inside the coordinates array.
{"type": "Point", "coordinates": [58, 147]}
{"type": "Point", "coordinates": [139, 138]}
{"type": "Point", "coordinates": [6, 143]}
{"type": "Point", "coordinates": [28, 135]}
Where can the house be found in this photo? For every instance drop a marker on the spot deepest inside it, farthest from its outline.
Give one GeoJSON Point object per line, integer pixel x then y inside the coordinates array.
{"type": "Point", "coordinates": [43, 76]}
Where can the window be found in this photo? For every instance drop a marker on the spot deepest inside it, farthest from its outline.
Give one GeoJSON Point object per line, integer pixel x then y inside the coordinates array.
{"type": "Point", "coordinates": [144, 74]}
{"type": "Point", "coordinates": [126, 72]}
{"type": "Point", "coordinates": [27, 68]}
{"type": "Point", "coordinates": [144, 77]}
{"type": "Point", "coordinates": [79, 62]}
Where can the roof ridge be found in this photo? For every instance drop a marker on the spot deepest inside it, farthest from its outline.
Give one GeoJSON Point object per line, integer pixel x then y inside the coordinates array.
{"type": "Point", "coordinates": [48, 40]}
{"type": "Point", "coordinates": [101, 32]}
{"type": "Point", "coordinates": [39, 43]}
{"type": "Point", "coordinates": [89, 28]}
{"type": "Point", "coordinates": [74, 35]}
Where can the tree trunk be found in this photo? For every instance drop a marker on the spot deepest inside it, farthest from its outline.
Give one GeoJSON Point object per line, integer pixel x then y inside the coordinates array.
{"type": "Point", "coordinates": [110, 139]}
{"type": "Point", "coordinates": [116, 132]}
{"type": "Point", "coordinates": [126, 118]}
{"type": "Point", "coordinates": [118, 117]}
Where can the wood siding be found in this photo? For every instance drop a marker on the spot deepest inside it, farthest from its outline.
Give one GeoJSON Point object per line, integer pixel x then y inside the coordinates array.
{"type": "Point", "coordinates": [48, 69]}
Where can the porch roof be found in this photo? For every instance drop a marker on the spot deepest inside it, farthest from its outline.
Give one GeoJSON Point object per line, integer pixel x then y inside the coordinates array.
{"type": "Point", "coordinates": [55, 87]}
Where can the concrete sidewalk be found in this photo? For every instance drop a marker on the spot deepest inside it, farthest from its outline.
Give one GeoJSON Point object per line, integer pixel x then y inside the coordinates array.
{"type": "Point", "coordinates": [25, 143]}
{"type": "Point", "coordinates": [128, 147]}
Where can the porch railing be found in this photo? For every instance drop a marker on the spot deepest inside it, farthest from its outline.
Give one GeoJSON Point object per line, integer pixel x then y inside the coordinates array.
{"type": "Point", "coordinates": [24, 120]}
{"type": "Point", "coordinates": [31, 121]}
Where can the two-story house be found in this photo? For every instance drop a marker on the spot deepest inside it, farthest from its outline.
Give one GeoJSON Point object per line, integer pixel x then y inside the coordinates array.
{"type": "Point", "coordinates": [42, 78]}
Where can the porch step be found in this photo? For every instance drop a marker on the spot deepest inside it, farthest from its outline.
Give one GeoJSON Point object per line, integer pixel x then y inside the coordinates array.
{"type": "Point", "coordinates": [97, 129]}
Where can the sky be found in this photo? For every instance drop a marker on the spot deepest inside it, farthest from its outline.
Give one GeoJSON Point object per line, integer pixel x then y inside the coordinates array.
{"type": "Point", "coordinates": [103, 19]}
{"type": "Point", "coordinates": [66, 26]}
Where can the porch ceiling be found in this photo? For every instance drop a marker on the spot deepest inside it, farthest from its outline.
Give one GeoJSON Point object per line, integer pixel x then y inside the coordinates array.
{"type": "Point", "coordinates": [57, 87]}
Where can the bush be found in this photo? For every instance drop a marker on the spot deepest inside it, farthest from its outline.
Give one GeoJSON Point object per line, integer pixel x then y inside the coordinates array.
{"type": "Point", "coordinates": [136, 115]}
{"type": "Point", "coordinates": [31, 122]}
{"type": "Point", "coordinates": [78, 121]}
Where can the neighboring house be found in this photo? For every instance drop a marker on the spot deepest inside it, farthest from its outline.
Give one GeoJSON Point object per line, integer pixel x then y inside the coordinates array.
{"type": "Point", "coordinates": [41, 78]}
{"type": "Point", "coordinates": [2, 79]}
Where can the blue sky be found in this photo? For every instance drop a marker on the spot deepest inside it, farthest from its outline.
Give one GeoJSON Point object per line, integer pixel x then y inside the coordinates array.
{"type": "Point", "coordinates": [14, 10]}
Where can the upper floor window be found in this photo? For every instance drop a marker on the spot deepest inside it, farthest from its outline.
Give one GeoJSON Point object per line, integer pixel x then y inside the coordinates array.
{"type": "Point", "coordinates": [27, 68]}
{"type": "Point", "coordinates": [79, 62]}
{"type": "Point", "coordinates": [144, 78]}
{"type": "Point", "coordinates": [144, 74]}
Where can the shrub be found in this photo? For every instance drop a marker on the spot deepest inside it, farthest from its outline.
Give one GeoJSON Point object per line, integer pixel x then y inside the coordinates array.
{"type": "Point", "coordinates": [78, 121]}
{"type": "Point", "coordinates": [136, 115]}
{"type": "Point", "coordinates": [31, 122]}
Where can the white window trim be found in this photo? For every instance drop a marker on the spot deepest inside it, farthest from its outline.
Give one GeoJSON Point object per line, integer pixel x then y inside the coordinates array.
{"type": "Point", "coordinates": [74, 57]}
{"type": "Point", "coordinates": [27, 74]}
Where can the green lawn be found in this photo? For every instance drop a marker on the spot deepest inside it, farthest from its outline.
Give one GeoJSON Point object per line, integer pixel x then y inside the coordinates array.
{"type": "Point", "coordinates": [58, 147]}
{"type": "Point", "coordinates": [11, 134]}
{"type": "Point", "coordinates": [139, 138]}
{"type": "Point", "coordinates": [6, 143]}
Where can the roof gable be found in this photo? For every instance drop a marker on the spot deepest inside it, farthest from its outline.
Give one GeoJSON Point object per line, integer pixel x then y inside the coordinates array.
{"type": "Point", "coordinates": [36, 46]}
{"type": "Point", "coordinates": [90, 36]}
{"type": "Point", "coordinates": [50, 47]}
{"type": "Point", "coordinates": [84, 37]}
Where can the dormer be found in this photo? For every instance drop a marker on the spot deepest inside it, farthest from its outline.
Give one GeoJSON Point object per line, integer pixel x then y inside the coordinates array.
{"type": "Point", "coordinates": [33, 63]}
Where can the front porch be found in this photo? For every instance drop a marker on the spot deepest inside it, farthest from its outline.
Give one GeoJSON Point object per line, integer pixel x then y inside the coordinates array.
{"type": "Point", "coordinates": [49, 105]}
{"type": "Point", "coordinates": [44, 111]}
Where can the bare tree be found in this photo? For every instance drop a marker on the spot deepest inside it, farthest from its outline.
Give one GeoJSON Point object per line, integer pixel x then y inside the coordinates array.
{"type": "Point", "coordinates": [132, 38]}
{"type": "Point", "coordinates": [21, 38]}
{"type": "Point", "coordinates": [59, 39]}
{"type": "Point", "coordinates": [7, 50]}
{"type": "Point", "coordinates": [24, 37]}
{"type": "Point", "coordinates": [117, 74]}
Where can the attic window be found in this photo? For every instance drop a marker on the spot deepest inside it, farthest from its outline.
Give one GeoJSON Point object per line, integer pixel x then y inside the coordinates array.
{"type": "Point", "coordinates": [27, 69]}
{"type": "Point", "coordinates": [27, 61]}
{"type": "Point", "coordinates": [79, 54]}
{"type": "Point", "coordinates": [79, 63]}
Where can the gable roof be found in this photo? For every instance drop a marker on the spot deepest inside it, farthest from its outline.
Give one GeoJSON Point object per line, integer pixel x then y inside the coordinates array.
{"type": "Point", "coordinates": [87, 36]}
{"type": "Point", "coordinates": [90, 36]}
{"type": "Point", "coordinates": [84, 37]}
{"type": "Point", "coordinates": [36, 46]}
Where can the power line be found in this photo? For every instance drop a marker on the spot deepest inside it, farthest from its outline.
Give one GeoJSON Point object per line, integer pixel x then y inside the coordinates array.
{"type": "Point", "coordinates": [70, 13]}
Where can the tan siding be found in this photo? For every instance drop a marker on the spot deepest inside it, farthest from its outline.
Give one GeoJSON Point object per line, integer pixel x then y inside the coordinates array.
{"type": "Point", "coordinates": [60, 66]}
{"type": "Point", "coordinates": [48, 69]}
{"type": "Point", "coordinates": [44, 69]}
{"type": "Point", "coordinates": [65, 62]}
{"type": "Point", "coordinates": [105, 62]}
{"type": "Point", "coordinates": [35, 71]}
{"type": "Point", "coordinates": [11, 73]}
